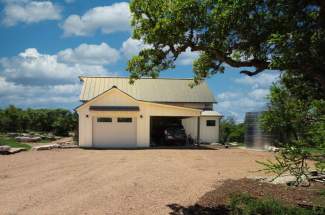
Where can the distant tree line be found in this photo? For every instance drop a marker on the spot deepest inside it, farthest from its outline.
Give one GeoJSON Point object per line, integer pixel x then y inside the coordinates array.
{"type": "Point", "coordinates": [58, 121]}
{"type": "Point", "coordinates": [230, 131]}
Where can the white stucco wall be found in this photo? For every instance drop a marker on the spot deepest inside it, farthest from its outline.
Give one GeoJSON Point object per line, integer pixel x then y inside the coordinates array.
{"type": "Point", "coordinates": [115, 97]}
{"type": "Point", "coordinates": [208, 134]}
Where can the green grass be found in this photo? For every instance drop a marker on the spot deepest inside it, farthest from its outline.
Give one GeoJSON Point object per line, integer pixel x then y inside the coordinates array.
{"type": "Point", "coordinates": [243, 204]}
{"type": "Point", "coordinates": [315, 151]}
{"type": "Point", "coordinates": [13, 143]}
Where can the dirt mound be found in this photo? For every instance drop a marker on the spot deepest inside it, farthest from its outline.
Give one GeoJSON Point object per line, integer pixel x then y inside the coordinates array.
{"type": "Point", "coordinates": [302, 196]}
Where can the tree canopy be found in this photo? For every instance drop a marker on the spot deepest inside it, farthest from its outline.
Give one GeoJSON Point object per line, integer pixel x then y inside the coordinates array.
{"type": "Point", "coordinates": [58, 121]}
{"type": "Point", "coordinates": [295, 117]}
{"type": "Point", "coordinates": [262, 34]}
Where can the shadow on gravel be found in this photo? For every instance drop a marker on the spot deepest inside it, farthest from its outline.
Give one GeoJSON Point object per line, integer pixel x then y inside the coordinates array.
{"type": "Point", "coordinates": [158, 147]}
{"type": "Point", "coordinates": [197, 210]}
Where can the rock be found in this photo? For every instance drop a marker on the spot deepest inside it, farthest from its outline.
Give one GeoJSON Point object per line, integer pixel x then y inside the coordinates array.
{"type": "Point", "coordinates": [16, 150]}
{"type": "Point", "coordinates": [233, 144]}
{"type": "Point", "coordinates": [28, 139]}
{"type": "Point", "coordinates": [12, 134]}
{"type": "Point", "coordinates": [4, 148]}
{"type": "Point", "coordinates": [46, 147]}
{"type": "Point", "coordinates": [272, 148]}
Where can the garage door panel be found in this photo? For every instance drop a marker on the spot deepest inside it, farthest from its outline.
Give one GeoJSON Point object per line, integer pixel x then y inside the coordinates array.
{"type": "Point", "coordinates": [114, 134]}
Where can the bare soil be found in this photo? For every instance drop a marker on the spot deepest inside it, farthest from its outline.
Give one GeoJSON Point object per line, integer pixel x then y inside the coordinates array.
{"type": "Point", "coordinates": [77, 181]}
{"type": "Point", "coordinates": [294, 196]}
{"type": "Point", "coordinates": [216, 202]}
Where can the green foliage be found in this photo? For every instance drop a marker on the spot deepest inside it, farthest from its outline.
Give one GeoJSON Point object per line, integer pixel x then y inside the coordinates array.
{"type": "Point", "coordinates": [231, 132]}
{"type": "Point", "coordinates": [58, 121]}
{"type": "Point", "coordinates": [296, 112]}
{"type": "Point", "coordinates": [296, 119]}
{"type": "Point", "coordinates": [283, 35]}
{"type": "Point", "coordinates": [292, 160]}
{"type": "Point", "coordinates": [243, 204]}
{"type": "Point", "coordinates": [12, 142]}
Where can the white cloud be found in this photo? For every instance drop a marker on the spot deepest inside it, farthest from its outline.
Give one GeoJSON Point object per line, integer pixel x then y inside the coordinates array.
{"type": "Point", "coordinates": [249, 95]}
{"type": "Point", "coordinates": [263, 80]}
{"type": "Point", "coordinates": [33, 68]}
{"type": "Point", "coordinates": [187, 57]}
{"type": "Point", "coordinates": [90, 54]}
{"type": "Point", "coordinates": [259, 93]}
{"type": "Point", "coordinates": [39, 96]}
{"type": "Point", "coordinates": [29, 12]}
{"type": "Point", "coordinates": [107, 19]}
{"type": "Point", "coordinates": [132, 47]}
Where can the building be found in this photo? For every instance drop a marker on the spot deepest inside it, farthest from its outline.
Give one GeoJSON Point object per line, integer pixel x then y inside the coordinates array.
{"type": "Point", "coordinates": [116, 114]}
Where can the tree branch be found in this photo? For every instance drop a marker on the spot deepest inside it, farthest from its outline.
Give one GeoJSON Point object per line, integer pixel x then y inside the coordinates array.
{"type": "Point", "coordinates": [259, 64]}
{"type": "Point", "coordinates": [250, 73]}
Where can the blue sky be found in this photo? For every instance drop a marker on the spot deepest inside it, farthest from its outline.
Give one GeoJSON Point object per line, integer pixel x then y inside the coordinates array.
{"type": "Point", "coordinates": [46, 45]}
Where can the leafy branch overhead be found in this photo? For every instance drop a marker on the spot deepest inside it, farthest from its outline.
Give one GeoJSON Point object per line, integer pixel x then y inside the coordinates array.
{"type": "Point", "coordinates": [282, 35]}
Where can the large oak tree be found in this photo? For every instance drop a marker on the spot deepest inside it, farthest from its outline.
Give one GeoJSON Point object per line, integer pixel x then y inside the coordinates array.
{"type": "Point", "coordinates": [255, 35]}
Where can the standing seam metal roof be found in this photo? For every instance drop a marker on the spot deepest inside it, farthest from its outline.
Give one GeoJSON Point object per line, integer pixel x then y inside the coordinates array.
{"type": "Point", "coordinates": [148, 89]}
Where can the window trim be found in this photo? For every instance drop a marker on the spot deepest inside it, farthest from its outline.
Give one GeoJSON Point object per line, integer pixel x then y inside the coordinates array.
{"type": "Point", "coordinates": [124, 120]}
{"type": "Point", "coordinates": [210, 121]}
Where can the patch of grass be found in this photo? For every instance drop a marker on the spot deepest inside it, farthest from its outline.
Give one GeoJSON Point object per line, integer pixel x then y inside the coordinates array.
{"type": "Point", "coordinates": [13, 143]}
{"type": "Point", "coordinates": [244, 204]}
{"type": "Point", "coordinates": [315, 151]}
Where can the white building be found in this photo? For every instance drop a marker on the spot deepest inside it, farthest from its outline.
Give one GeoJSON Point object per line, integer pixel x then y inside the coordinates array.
{"type": "Point", "coordinates": [116, 114]}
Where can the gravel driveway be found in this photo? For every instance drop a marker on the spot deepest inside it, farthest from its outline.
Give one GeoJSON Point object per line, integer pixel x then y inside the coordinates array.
{"type": "Point", "coordinates": [76, 181]}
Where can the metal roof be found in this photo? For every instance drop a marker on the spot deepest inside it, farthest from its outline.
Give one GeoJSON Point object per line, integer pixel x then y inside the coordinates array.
{"type": "Point", "coordinates": [210, 113]}
{"type": "Point", "coordinates": [148, 89]}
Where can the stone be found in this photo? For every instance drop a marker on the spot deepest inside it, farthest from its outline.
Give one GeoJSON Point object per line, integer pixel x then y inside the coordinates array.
{"type": "Point", "coordinates": [4, 148]}
{"type": "Point", "coordinates": [272, 149]}
{"type": "Point", "coordinates": [16, 150]}
{"type": "Point", "coordinates": [46, 147]}
{"type": "Point", "coordinates": [28, 139]}
{"type": "Point", "coordinates": [12, 134]}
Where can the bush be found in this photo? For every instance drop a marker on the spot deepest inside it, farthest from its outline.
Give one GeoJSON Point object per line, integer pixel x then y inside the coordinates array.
{"type": "Point", "coordinates": [244, 204]}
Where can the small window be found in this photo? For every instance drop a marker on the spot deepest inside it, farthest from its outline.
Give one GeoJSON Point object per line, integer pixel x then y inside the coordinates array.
{"type": "Point", "coordinates": [104, 119]}
{"type": "Point", "coordinates": [211, 123]}
{"type": "Point", "coordinates": [124, 119]}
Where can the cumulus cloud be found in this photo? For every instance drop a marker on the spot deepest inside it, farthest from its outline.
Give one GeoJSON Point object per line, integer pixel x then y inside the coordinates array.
{"type": "Point", "coordinates": [263, 80]}
{"type": "Point", "coordinates": [31, 67]}
{"type": "Point", "coordinates": [187, 57]}
{"type": "Point", "coordinates": [90, 54]}
{"type": "Point", "coordinates": [249, 96]}
{"type": "Point", "coordinates": [132, 47]}
{"type": "Point", "coordinates": [107, 19]}
{"type": "Point", "coordinates": [35, 79]}
{"type": "Point", "coordinates": [39, 96]}
{"type": "Point", "coordinates": [28, 12]}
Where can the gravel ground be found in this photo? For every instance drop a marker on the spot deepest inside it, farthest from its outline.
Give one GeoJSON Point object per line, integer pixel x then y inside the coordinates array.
{"type": "Point", "coordinates": [77, 181]}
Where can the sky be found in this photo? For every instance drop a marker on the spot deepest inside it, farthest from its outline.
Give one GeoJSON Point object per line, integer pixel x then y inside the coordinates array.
{"type": "Point", "coordinates": [46, 45]}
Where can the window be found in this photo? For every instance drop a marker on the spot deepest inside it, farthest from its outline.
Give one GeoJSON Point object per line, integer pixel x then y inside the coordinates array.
{"type": "Point", "coordinates": [211, 123]}
{"type": "Point", "coordinates": [124, 119]}
{"type": "Point", "coordinates": [104, 119]}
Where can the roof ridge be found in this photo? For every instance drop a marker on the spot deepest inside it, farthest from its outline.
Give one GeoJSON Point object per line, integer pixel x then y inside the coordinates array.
{"type": "Point", "coordinates": [124, 77]}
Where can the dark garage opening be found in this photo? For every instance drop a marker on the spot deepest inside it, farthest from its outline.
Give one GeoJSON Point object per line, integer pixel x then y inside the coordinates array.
{"type": "Point", "coordinates": [167, 131]}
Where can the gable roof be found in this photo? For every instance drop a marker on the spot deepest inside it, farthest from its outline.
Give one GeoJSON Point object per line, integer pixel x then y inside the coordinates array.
{"type": "Point", "coordinates": [148, 89]}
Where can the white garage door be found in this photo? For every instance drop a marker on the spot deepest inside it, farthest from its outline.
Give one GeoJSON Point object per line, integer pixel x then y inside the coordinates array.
{"type": "Point", "coordinates": [110, 132]}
